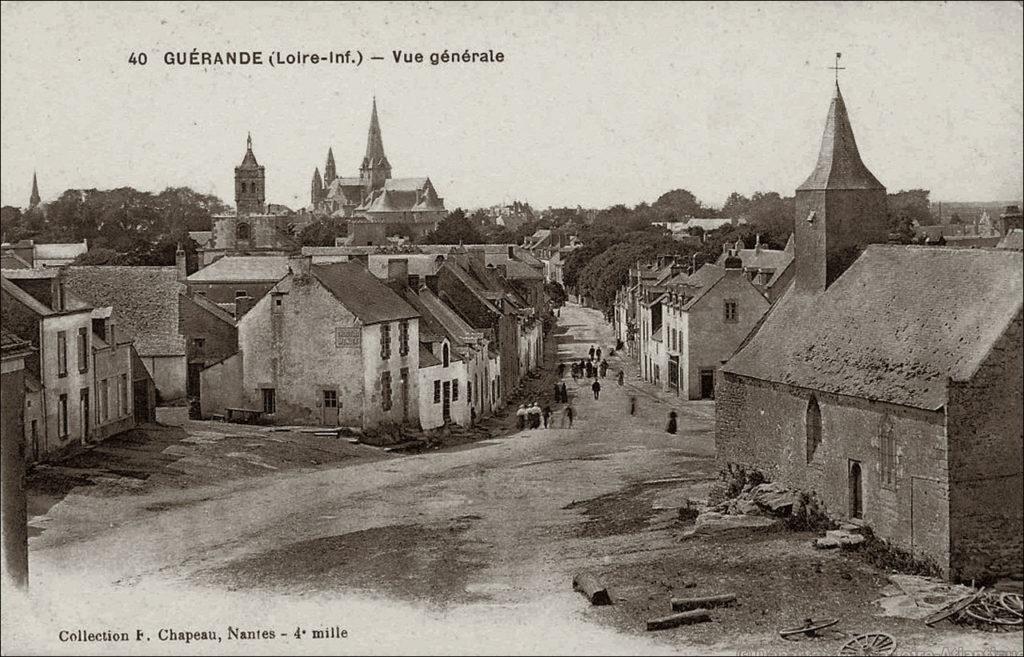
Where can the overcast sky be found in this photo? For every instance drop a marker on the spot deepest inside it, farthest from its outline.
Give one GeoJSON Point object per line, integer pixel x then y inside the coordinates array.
{"type": "Point", "coordinates": [595, 104]}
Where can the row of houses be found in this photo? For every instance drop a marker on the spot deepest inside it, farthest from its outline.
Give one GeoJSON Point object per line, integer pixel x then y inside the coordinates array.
{"type": "Point", "coordinates": [366, 336]}
{"type": "Point", "coordinates": [82, 379]}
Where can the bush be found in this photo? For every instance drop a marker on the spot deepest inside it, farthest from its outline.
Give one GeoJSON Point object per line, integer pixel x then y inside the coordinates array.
{"type": "Point", "coordinates": [881, 554]}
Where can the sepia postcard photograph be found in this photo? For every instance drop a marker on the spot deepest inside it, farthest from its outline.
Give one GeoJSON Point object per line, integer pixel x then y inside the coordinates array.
{"type": "Point", "coordinates": [512, 328]}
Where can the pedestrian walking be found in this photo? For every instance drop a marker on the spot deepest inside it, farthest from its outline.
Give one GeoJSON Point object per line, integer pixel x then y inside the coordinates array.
{"type": "Point", "coordinates": [567, 416]}
{"type": "Point", "coordinates": [575, 371]}
{"type": "Point", "coordinates": [558, 392]}
{"type": "Point", "coordinates": [565, 393]}
{"type": "Point", "coordinates": [521, 417]}
{"type": "Point", "coordinates": [621, 376]}
{"type": "Point", "coordinates": [591, 352]}
{"type": "Point", "coordinates": [561, 370]}
{"type": "Point", "coordinates": [596, 388]}
{"type": "Point", "coordinates": [632, 405]}
{"type": "Point", "coordinates": [599, 353]}
{"type": "Point", "coordinates": [546, 413]}
{"type": "Point", "coordinates": [535, 416]}
{"type": "Point", "coordinates": [604, 368]}
{"type": "Point", "coordinates": [671, 428]}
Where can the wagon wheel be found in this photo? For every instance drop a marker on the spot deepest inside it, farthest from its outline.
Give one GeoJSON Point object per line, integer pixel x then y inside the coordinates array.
{"type": "Point", "coordinates": [1013, 602]}
{"type": "Point", "coordinates": [951, 609]}
{"type": "Point", "coordinates": [991, 610]}
{"type": "Point", "coordinates": [809, 629]}
{"type": "Point", "coordinates": [872, 643]}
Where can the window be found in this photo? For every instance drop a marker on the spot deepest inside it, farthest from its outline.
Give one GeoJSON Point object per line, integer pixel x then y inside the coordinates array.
{"type": "Point", "coordinates": [437, 392]}
{"type": "Point", "coordinates": [731, 311]}
{"type": "Point", "coordinates": [887, 445]}
{"type": "Point", "coordinates": [62, 353]}
{"type": "Point", "coordinates": [813, 427]}
{"type": "Point", "coordinates": [198, 344]}
{"type": "Point", "coordinates": [403, 338]}
{"type": "Point", "coordinates": [83, 349]}
{"type": "Point", "coordinates": [104, 400]}
{"type": "Point", "coordinates": [385, 341]}
{"type": "Point", "coordinates": [240, 293]}
{"type": "Point", "coordinates": [446, 357]}
{"type": "Point", "coordinates": [330, 399]}
{"type": "Point", "coordinates": [62, 416]}
{"type": "Point", "coordinates": [455, 390]}
{"type": "Point", "coordinates": [269, 401]}
{"type": "Point", "coordinates": [123, 395]}
{"type": "Point", "coordinates": [385, 391]}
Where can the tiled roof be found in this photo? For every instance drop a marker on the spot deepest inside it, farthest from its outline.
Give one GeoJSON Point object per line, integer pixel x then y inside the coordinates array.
{"type": "Point", "coordinates": [9, 342]}
{"type": "Point", "coordinates": [761, 258]}
{"type": "Point", "coordinates": [362, 293]}
{"type": "Point", "coordinates": [12, 260]}
{"type": "Point", "coordinates": [144, 299]}
{"type": "Point", "coordinates": [427, 359]}
{"type": "Point", "coordinates": [894, 327]}
{"type": "Point", "coordinates": [237, 269]}
{"type": "Point", "coordinates": [405, 184]}
{"type": "Point", "coordinates": [26, 299]}
{"type": "Point", "coordinates": [215, 309]}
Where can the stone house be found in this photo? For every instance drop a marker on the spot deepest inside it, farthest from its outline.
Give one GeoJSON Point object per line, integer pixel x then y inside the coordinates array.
{"type": "Point", "coordinates": [329, 345]}
{"type": "Point", "coordinates": [210, 335]}
{"type": "Point", "coordinates": [704, 319]}
{"type": "Point", "coordinates": [236, 282]}
{"type": "Point", "coordinates": [892, 388]}
{"type": "Point", "coordinates": [145, 311]}
{"type": "Point", "coordinates": [770, 270]}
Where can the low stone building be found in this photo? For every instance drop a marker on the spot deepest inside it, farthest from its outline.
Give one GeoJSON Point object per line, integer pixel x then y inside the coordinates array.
{"type": "Point", "coordinates": [237, 279]}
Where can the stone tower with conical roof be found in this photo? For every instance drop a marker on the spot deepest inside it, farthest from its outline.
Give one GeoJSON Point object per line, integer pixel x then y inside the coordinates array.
{"type": "Point", "coordinates": [250, 184]}
{"type": "Point", "coordinates": [330, 171]}
{"type": "Point", "coordinates": [375, 168]}
{"type": "Point", "coordinates": [316, 189]}
{"type": "Point", "coordinates": [33, 199]}
{"type": "Point", "coordinates": [840, 208]}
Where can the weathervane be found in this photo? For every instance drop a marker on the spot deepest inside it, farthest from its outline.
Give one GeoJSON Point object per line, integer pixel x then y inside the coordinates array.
{"type": "Point", "coordinates": [836, 67]}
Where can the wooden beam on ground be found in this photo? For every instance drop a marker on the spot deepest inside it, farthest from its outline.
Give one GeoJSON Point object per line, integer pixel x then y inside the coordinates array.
{"type": "Point", "coordinates": [592, 589]}
{"type": "Point", "coordinates": [675, 620]}
{"type": "Point", "coordinates": [685, 604]}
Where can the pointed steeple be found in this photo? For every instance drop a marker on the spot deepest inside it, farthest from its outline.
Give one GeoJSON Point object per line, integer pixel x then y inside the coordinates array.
{"type": "Point", "coordinates": [316, 191]}
{"type": "Point", "coordinates": [33, 199]}
{"type": "Point", "coordinates": [330, 172]}
{"type": "Point", "coordinates": [249, 161]}
{"type": "Point", "coordinates": [839, 164]}
{"type": "Point", "coordinates": [374, 141]}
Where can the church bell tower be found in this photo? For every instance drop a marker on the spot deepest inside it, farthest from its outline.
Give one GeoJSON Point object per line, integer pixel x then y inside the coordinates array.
{"type": "Point", "coordinates": [250, 184]}
{"type": "Point", "coordinates": [375, 168]}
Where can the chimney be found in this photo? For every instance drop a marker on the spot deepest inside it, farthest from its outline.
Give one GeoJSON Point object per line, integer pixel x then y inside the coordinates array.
{"type": "Point", "coordinates": [398, 269]}
{"type": "Point", "coordinates": [733, 265]}
{"type": "Point", "coordinates": [511, 252]}
{"type": "Point", "coordinates": [300, 266]}
{"type": "Point", "coordinates": [243, 305]}
{"type": "Point", "coordinates": [181, 264]}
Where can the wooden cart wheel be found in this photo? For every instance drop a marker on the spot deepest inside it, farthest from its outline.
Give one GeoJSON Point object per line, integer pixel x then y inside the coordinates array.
{"type": "Point", "coordinates": [872, 643]}
{"type": "Point", "coordinates": [951, 609]}
{"type": "Point", "coordinates": [1013, 602]}
{"type": "Point", "coordinates": [989, 609]}
{"type": "Point", "coordinates": [808, 629]}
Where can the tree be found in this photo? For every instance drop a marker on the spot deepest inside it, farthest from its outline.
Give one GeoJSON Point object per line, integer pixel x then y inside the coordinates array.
{"type": "Point", "coordinates": [321, 233]}
{"type": "Point", "coordinates": [907, 209]}
{"type": "Point", "coordinates": [680, 203]}
{"type": "Point", "coordinates": [555, 293]}
{"type": "Point", "coordinates": [456, 228]}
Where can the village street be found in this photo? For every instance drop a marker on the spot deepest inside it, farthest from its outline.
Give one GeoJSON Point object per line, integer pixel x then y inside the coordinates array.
{"type": "Point", "coordinates": [469, 549]}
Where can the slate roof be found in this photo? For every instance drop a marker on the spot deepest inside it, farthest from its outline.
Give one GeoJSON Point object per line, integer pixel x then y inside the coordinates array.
{"type": "Point", "coordinates": [761, 258]}
{"type": "Point", "coordinates": [13, 261]}
{"type": "Point", "coordinates": [11, 343]}
{"type": "Point", "coordinates": [214, 309]}
{"type": "Point", "coordinates": [839, 165]}
{"type": "Point", "coordinates": [893, 327]}
{"type": "Point", "coordinates": [363, 294]}
{"type": "Point", "coordinates": [238, 269]}
{"type": "Point", "coordinates": [144, 299]}
{"type": "Point", "coordinates": [26, 299]}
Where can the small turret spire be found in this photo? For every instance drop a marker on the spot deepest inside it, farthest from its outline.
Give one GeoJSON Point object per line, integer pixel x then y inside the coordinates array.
{"type": "Point", "coordinates": [33, 199]}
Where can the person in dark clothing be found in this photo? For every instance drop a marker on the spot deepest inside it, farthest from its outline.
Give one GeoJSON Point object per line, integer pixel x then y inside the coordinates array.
{"type": "Point", "coordinates": [621, 376]}
{"type": "Point", "coordinates": [596, 388]}
{"type": "Point", "coordinates": [575, 371]}
{"type": "Point", "coordinates": [632, 405]}
{"type": "Point", "coordinates": [604, 368]}
{"type": "Point", "coordinates": [671, 422]}
{"type": "Point", "coordinates": [561, 370]}
{"type": "Point", "coordinates": [591, 352]}
{"type": "Point", "coordinates": [569, 413]}
{"type": "Point", "coordinates": [546, 413]}
{"type": "Point", "coordinates": [565, 393]}
{"type": "Point", "coordinates": [599, 353]}
{"type": "Point", "coordinates": [558, 393]}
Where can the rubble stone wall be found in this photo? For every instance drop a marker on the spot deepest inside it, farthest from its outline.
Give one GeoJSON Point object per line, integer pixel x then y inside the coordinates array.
{"type": "Point", "coordinates": [986, 463]}
{"type": "Point", "coordinates": [762, 425]}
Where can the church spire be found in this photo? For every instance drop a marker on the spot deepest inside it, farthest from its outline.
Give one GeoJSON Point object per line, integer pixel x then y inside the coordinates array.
{"type": "Point", "coordinates": [330, 172]}
{"type": "Point", "coordinates": [375, 169]}
{"type": "Point", "coordinates": [839, 165]}
{"type": "Point", "coordinates": [33, 199]}
{"type": "Point", "coordinates": [316, 192]}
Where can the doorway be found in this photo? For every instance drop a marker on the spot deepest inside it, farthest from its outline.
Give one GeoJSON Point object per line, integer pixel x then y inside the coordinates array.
{"type": "Point", "coordinates": [83, 404]}
{"type": "Point", "coordinates": [856, 494]}
{"type": "Point", "coordinates": [707, 384]}
{"type": "Point", "coordinates": [446, 402]}
{"type": "Point", "coordinates": [329, 409]}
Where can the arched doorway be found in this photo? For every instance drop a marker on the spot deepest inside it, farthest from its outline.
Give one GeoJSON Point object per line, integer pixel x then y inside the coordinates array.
{"type": "Point", "coordinates": [856, 494]}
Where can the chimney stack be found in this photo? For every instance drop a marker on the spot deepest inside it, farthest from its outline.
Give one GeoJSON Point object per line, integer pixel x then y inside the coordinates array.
{"type": "Point", "coordinates": [243, 305]}
{"type": "Point", "coordinates": [300, 266]}
{"type": "Point", "coordinates": [181, 264]}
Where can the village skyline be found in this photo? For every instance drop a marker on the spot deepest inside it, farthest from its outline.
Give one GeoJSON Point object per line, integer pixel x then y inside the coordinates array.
{"type": "Point", "coordinates": [685, 117]}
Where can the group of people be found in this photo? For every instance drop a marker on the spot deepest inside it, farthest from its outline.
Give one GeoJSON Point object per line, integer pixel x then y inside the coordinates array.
{"type": "Point", "coordinates": [532, 416]}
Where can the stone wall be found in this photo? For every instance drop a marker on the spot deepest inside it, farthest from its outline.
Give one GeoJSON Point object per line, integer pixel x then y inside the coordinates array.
{"type": "Point", "coordinates": [986, 463]}
{"type": "Point", "coordinates": [221, 386]}
{"type": "Point", "coordinates": [220, 339]}
{"type": "Point", "coordinates": [764, 425]}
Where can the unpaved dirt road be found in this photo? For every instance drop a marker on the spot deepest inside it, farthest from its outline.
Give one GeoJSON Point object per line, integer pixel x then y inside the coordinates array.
{"type": "Point", "coordinates": [467, 550]}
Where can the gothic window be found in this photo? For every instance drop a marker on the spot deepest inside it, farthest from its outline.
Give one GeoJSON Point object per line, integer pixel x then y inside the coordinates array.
{"type": "Point", "coordinates": [242, 231]}
{"type": "Point", "coordinates": [813, 427]}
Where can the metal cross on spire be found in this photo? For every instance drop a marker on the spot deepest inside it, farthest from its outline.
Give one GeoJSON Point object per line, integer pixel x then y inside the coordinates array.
{"type": "Point", "coordinates": [836, 67]}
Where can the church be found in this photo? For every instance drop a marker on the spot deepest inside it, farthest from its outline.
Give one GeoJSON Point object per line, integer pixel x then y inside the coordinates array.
{"type": "Point", "coordinates": [409, 207]}
{"type": "Point", "coordinates": [887, 379]}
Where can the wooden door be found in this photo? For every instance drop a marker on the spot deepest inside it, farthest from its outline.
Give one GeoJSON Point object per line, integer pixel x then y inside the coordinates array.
{"type": "Point", "coordinates": [707, 384]}
{"type": "Point", "coordinates": [329, 408]}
